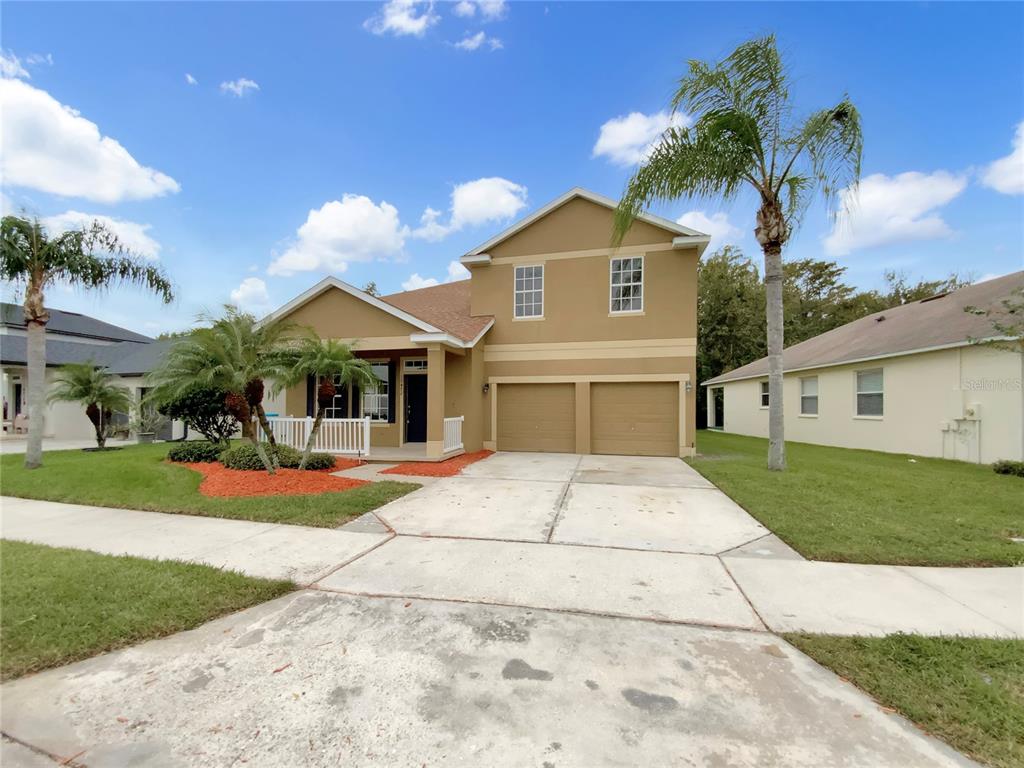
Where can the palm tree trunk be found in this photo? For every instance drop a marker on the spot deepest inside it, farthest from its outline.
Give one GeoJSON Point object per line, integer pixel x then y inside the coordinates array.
{"type": "Point", "coordinates": [311, 440]}
{"type": "Point", "coordinates": [774, 317]}
{"type": "Point", "coordinates": [101, 432]}
{"type": "Point", "coordinates": [265, 424]}
{"type": "Point", "coordinates": [36, 391]}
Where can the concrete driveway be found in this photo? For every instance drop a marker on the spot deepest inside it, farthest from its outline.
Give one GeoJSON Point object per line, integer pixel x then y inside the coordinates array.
{"type": "Point", "coordinates": [541, 610]}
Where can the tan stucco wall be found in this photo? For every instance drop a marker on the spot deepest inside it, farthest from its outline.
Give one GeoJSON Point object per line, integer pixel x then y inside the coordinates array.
{"type": "Point", "coordinates": [463, 394]}
{"type": "Point", "coordinates": [921, 392]}
{"type": "Point", "coordinates": [335, 314]}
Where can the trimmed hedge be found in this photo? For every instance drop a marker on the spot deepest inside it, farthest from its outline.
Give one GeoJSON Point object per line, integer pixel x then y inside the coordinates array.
{"type": "Point", "coordinates": [244, 456]}
{"type": "Point", "coordinates": [1007, 467]}
{"type": "Point", "coordinates": [193, 451]}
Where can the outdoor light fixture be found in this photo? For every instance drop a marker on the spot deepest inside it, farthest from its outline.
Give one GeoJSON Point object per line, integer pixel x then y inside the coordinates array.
{"type": "Point", "coordinates": [689, 387]}
{"type": "Point", "coordinates": [487, 388]}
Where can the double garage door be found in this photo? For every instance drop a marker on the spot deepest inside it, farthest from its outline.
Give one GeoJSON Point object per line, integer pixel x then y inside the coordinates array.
{"type": "Point", "coordinates": [626, 418]}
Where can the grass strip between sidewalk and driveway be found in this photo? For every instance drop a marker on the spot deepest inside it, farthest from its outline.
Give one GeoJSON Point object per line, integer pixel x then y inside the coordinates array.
{"type": "Point", "coordinates": [856, 506]}
{"type": "Point", "coordinates": [137, 477]}
{"type": "Point", "coordinates": [967, 691]}
{"type": "Point", "coordinates": [62, 605]}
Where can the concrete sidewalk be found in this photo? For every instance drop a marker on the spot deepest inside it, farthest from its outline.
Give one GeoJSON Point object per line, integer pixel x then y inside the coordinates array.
{"type": "Point", "coordinates": [265, 550]}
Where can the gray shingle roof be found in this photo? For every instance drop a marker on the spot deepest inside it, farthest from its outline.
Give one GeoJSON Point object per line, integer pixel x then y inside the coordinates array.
{"type": "Point", "coordinates": [70, 323]}
{"type": "Point", "coordinates": [141, 358]}
{"type": "Point", "coordinates": [935, 322]}
{"type": "Point", "coordinates": [59, 352]}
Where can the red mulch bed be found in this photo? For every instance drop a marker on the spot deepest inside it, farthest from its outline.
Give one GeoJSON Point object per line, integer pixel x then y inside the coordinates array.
{"type": "Point", "coordinates": [221, 482]}
{"type": "Point", "coordinates": [445, 468]}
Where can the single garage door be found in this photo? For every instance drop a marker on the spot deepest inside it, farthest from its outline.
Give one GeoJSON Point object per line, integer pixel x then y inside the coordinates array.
{"type": "Point", "coordinates": [635, 418]}
{"type": "Point", "coordinates": [537, 417]}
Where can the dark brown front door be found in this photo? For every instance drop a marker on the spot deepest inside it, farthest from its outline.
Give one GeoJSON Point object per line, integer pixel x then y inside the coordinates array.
{"type": "Point", "coordinates": [416, 409]}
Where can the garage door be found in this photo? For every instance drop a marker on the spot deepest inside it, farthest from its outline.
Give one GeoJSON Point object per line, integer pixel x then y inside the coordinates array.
{"type": "Point", "coordinates": [635, 419]}
{"type": "Point", "coordinates": [537, 417]}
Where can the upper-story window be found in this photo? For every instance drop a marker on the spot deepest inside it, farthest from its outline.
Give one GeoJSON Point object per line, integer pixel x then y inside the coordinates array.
{"type": "Point", "coordinates": [529, 292]}
{"type": "Point", "coordinates": [627, 286]}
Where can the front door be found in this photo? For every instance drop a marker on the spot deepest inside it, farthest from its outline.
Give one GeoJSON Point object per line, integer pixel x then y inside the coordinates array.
{"type": "Point", "coordinates": [416, 409]}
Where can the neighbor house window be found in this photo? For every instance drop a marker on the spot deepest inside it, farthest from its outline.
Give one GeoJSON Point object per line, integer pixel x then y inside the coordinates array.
{"type": "Point", "coordinates": [529, 294]}
{"type": "Point", "coordinates": [627, 287]}
{"type": "Point", "coordinates": [764, 394]}
{"type": "Point", "coordinates": [809, 396]}
{"type": "Point", "coordinates": [869, 392]}
{"type": "Point", "coordinates": [375, 401]}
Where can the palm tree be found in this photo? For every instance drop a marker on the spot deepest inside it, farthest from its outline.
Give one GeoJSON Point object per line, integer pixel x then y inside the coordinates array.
{"type": "Point", "coordinates": [96, 390]}
{"type": "Point", "coordinates": [329, 360]}
{"type": "Point", "coordinates": [745, 137]}
{"type": "Point", "coordinates": [92, 257]}
{"type": "Point", "coordinates": [235, 354]}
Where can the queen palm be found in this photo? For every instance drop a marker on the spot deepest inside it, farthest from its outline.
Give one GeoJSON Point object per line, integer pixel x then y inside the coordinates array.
{"type": "Point", "coordinates": [745, 137]}
{"type": "Point", "coordinates": [97, 390]}
{"type": "Point", "coordinates": [92, 257]}
{"type": "Point", "coordinates": [330, 361]}
{"type": "Point", "coordinates": [235, 354]}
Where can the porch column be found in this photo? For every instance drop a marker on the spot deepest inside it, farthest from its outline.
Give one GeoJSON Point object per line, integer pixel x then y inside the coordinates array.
{"type": "Point", "coordinates": [435, 400]}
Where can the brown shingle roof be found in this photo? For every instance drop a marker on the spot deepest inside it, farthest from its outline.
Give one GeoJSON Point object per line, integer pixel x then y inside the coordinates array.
{"type": "Point", "coordinates": [444, 306]}
{"type": "Point", "coordinates": [934, 322]}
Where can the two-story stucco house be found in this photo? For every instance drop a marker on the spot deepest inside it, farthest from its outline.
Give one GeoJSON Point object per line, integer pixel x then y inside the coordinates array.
{"type": "Point", "coordinates": [557, 342]}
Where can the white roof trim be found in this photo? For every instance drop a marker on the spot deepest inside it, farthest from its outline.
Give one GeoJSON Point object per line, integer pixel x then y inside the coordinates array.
{"type": "Point", "coordinates": [351, 290]}
{"type": "Point", "coordinates": [480, 258]}
{"type": "Point", "coordinates": [586, 194]}
{"type": "Point", "coordinates": [449, 339]}
{"type": "Point", "coordinates": [685, 241]}
{"type": "Point", "coordinates": [856, 360]}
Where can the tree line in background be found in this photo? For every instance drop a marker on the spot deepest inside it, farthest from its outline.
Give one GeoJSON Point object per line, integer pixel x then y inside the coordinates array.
{"type": "Point", "coordinates": [731, 307]}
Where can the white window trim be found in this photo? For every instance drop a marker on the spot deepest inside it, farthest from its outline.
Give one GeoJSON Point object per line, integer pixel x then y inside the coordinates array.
{"type": "Point", "coordinates": [407, 371]}
{"type": "Point", "coordinates": [816, 396]}
{"type": "Point", "coordinates": [386, 362]}
{"type": "Point", "coordinates": [643, 281]}
{"type": "Point", "coordinates": [857, 392]}
{"type": "Point", "coordinates": [760, 396]}
{"type": "Point", "coordinates": [543, 290]}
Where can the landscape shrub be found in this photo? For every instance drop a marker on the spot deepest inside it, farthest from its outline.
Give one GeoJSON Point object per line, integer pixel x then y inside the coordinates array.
{"type": "Point", "coordinates": [1007, 467]}
{"type": "Point", "coordinates": [204, 410]}
{"type": "Point", "coordinates": [244, 456]}
{"type": "Point", "coordinates": [192, 451]}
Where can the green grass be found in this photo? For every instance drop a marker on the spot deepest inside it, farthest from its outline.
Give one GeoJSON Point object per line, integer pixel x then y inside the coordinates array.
{"type": "Point", "coordinates": [61, 605]}
{"type": "Point", "coordinates": [867, 507]}
{"type": "Point", "coordinates": [967, 691]}
{"type": "Point", "coordinates": [137, 477]}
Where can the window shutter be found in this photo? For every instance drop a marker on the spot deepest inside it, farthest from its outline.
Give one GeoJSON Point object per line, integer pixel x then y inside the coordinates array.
{"type": "Point", "coordinates": [356, 411]}
{"type": "Point", "coordinates": [392, 390]}
{"type": "Point", "coordinates": [311, 396]}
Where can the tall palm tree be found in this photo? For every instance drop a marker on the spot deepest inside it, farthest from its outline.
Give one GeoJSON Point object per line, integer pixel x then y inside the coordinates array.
{"type": "Point", "coordinates": [326, 359]}
{"type": "Point", "coordinates": [236, 354]}
{"type": "Point", "coordinates": [91, 257]}
{"type": "Point", "coordinates": [745, 137]}
{"type": "Point", "coordinates": [89, 385]}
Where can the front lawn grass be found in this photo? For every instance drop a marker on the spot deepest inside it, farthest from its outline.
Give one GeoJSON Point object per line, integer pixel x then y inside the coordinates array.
{"type": "Point", "coordinates": [967, 691]}
{"type": "Point", "coordinates": [868, 507]}
{"type": "Point", "coordinates": [137, 477]}
{"type": "Point", "coordinates": [62, 605]}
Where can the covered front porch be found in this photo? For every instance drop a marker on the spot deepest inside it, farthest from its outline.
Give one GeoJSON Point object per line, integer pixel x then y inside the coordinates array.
{"type": "Point", "coordinates": [406, 418]}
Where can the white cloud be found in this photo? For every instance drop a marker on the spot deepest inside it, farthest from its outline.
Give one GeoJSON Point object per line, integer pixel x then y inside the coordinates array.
{"type": "Point", "coordinates": [1006, 174]}
{"type": "Point", "coordinates": [251, 295]}
{"type": "Point", "coordinates": [403, 17]}
{"type": "Point", "coordinates": [352, 229]}
{"type": "Point", "coordinates": [490, 10]}
{"type": "Point", "coordinates": [455, 272]}
{"type": "Point", "coordinates": [52, 148]}
{"type": "Point", "coordinates": [465, 8]}
{"type": "Point", "coordinates": [190, 80]}
{"type": "Point", "coordinates": [239, 87]}
{"type": "Point", "coordinates": [893, 209]}
{"type": "Point", "coordinates": [717, 225]}
{"type": "Point", "coordinates": [415, 282]}
{"type": "Point", "coordinates": [132, 235]}
{"type": "Point", "coordinates": [473, 203]}
{"type": "Point", "coordinates": [627, 139]}
{"type": "Point", "coordinates": [474, 42]}
{"type": "Point", "coordinates": [39, 58]}
{"type": "Point", "coordinates": [10, 66]}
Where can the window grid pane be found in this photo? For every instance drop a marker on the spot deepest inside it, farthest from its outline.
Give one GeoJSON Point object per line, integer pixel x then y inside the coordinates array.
{"type": "Point", "coordinates": [529, 291]}
{"type": "Point", "coordinates": [376, 401]}
{"type": "Point", "coordinates": [627, 285]}
{"type": "Point", "coordinates": [764, 394]}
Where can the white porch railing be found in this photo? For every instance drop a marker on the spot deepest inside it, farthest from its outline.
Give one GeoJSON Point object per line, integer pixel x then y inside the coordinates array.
{"type": "Point", "coordinates": [453, 433]}
{"type": "Point", "coordinates": [347, 436]}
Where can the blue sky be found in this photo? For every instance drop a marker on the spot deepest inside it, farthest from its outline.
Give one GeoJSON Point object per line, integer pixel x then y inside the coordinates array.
{"type": "Point", "coordinates": [255, 147]}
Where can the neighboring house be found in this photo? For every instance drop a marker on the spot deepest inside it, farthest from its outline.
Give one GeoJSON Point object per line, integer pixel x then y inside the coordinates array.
{"type": "Point", "coordinates": [70, 338]}
{"type": "Point", "coordinates": [911, 379]}
{"type": "Point", "coordinates": [557, 342]}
